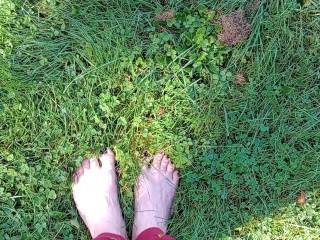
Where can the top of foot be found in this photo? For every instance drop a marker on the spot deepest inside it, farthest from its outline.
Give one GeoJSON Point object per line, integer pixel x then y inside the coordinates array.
{"type": "Point", "coordinates": [95, 193]}
{"type": "Point", "coordinates": [154, 194]}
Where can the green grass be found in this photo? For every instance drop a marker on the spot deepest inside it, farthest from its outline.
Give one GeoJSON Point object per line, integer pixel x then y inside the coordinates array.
{"type": "Point", "coordinates": [71, 83]}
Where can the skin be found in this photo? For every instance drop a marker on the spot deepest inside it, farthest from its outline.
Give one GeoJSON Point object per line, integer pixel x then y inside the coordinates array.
{"type": "Point", "coordinates": [95, 193]}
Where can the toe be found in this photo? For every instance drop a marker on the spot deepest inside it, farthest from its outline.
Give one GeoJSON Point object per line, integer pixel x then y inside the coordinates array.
{"type": "Point", "coordinates": [144, 169]}
{"type": "Point", "coordinates": [147, 172]}
{"type": "Point", "coordinates": [107, 159]}
{"type": "Point", "coordinates": [164, 163]}
{"type": "Point", "coordinates": [171, 167]}
{"type": "Point", "coordinates": [75, 178]}
{"type": "Point", "coordinates": [140, 181]}
{"type": "Point", "coordinates": [79, 173]}
{"type": "Point", "coordinates": [94, 164]}
{"type": "Point", "coordinates": [140, 186]}
{"type": "Point", "coordinates": [175, 178]}
{"type": "Point", "coordinates": [157, 160]}
{"type": "Point", "coordinates": [86, 164]}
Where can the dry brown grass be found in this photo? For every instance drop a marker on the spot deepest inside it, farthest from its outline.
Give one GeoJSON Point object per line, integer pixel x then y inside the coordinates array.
{"type": "Point", "coordinates": [235, 27]}
{"type": "Point", "coordinates": [240, 78]}
{"type": "Point", "coordinates": [164, 16]}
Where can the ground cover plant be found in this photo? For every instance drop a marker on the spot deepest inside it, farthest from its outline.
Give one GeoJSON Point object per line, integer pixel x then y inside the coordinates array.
{"type": "Point", "coordinates": [239, 118]}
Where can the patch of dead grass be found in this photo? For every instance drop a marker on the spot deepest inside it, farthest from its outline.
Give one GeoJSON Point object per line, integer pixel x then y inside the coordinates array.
{"type": "Point", "coordinates": [164, 16]}
{"type": "Point", "coordinates": [235, 27]}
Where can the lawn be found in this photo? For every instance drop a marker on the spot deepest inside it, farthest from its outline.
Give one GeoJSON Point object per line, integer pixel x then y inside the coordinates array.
{"type": "Point", "coordinates": [240, 120]}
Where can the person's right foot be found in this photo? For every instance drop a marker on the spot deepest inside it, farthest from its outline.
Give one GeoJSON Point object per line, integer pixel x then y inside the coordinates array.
{"type": "Point", "coordinates": [154, 194]}
{"type": "Point", "coordinates": [95, 192]}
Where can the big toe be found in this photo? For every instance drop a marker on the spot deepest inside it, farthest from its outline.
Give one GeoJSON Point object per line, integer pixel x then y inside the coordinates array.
{"type": "Point", "coordinates": [157, 161]}
{"type": "Point", "coordinates": [108, 159]}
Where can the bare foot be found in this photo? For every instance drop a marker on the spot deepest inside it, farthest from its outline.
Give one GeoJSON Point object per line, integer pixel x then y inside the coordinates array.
{"type": "Point", "coordinates": [95, 193]}
{"type": "Point", "coordinates": [156, 188]}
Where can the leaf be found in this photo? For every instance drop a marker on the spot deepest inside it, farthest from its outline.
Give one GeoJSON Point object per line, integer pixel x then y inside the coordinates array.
{"type": "Point", "coordinates": [217, 28]}
{"type": "Point", "coordinates": [122, 121]}
{"type": "Point", "coordinates": [287, 90]}
{"type": "Point", "coordinates": [63, 26]}
{"type": "Point", "coordinates": [161, 60]}
{"type": "Point", "coordinates": [52, 195]}
{"type": "Point", "coordinates": [213, 68]}
{"type": "Point", "coordinates": [74, 222]}
{"type": "Point", "coordinates": [188, 36]}
{"type": "Point", "coordinates": [211, 15]}
{"type": "Point", "coordinates": [10, 157]}
{"type": "Point", "coordinates": [202, 8]}
{"type": "Point", "coordinates": [264, 128]}
{"type": "Point", "coordinates": [198, 38]}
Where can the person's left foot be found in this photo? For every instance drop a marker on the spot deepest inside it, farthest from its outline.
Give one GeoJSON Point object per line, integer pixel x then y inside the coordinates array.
{"type": "Point", "coordinates": [95, 193]}
{"type": "Point", "coordinates": [155, 191]}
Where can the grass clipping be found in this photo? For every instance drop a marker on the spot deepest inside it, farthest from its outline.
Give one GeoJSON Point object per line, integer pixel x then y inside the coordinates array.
{"type": "Point", "coordinates": [235, 27]}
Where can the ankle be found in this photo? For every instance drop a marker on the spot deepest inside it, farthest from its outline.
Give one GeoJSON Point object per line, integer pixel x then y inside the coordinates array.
{"type": "Point", "coordinates": [144, 221]}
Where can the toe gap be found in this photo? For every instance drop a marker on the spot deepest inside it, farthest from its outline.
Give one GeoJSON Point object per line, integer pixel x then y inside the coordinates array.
{"type": "Point", "coordinates": [99, 162]}
{"type": "Point", "coordinates": [104, 150]}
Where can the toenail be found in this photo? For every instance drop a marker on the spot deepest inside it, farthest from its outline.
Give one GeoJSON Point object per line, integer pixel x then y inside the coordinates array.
{"type": "Point", "coordinates": [104, 150]}
{"type": "Point", "coordinates": [75, 176]}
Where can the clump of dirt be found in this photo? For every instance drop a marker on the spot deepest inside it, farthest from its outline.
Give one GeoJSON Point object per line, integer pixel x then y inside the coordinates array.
{"type": "Point", "coordinates": [235, 27]}
{"type": "Point", "coordinates": [164, 16]}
